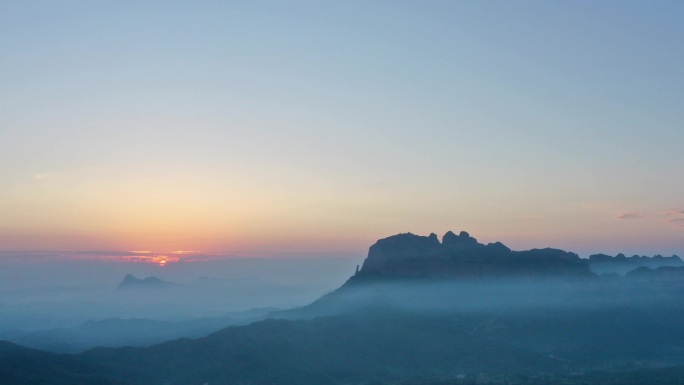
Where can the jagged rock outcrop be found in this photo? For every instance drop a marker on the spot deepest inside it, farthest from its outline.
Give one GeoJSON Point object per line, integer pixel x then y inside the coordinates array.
{"type": "Point", "coordinates": [414, 256]}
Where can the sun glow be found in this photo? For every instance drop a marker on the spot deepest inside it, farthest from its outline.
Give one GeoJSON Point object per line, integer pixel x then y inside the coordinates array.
{"type": "Point", "coordinates": [158, 259]}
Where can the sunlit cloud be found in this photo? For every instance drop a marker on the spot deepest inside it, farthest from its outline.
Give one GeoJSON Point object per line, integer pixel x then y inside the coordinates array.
{"type": "Point", "coordinates": [679, 222]}
{"type": "Point", "coordinates": [207, 257]}
{"type": "Point", "coordinates": [160, 260]}
{"type": "Point", "coordinates": [116, 257]}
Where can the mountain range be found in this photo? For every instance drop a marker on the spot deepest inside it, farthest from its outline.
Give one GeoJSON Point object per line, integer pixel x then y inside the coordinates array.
{"type": "Point", "coordinates": [419, 308]}
{"type": "Point", "coordinates": [620, 264]}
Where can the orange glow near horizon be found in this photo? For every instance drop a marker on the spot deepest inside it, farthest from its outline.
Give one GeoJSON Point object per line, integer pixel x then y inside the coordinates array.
{"type": "Point", "coordinates": [160, 260]}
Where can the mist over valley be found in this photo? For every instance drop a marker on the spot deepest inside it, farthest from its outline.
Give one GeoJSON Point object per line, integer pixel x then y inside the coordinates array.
{"type": "Point", "coordinates": [387, 192]}
{"type": "Point", "coordinates": [416, 306]}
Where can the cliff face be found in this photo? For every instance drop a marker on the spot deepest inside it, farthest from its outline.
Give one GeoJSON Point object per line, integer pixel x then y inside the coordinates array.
{"type": "Point", "coordinates": [412, 256]}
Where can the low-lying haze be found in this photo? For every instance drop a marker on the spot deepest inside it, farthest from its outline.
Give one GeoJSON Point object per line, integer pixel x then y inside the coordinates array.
{"type": "Point", "coordinates": [43, 290]}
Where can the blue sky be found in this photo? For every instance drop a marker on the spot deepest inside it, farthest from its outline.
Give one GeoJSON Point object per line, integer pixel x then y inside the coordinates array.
{"type": "Point", "coordinates": [322, 126]}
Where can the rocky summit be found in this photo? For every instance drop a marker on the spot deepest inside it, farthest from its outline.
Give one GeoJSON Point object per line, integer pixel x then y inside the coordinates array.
{"type": "Point", "coordinates": [413, 256]}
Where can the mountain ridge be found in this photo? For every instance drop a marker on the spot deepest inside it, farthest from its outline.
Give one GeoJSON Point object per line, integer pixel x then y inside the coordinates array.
{"type": "Point", "coordinates": [621, 264]}
{"type": "Point", "coordinates": [461, 256]}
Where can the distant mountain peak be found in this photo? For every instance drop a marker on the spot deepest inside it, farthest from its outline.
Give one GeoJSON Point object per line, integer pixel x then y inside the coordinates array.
{"type": "Point", "coordinates": [603, 264]}
{"type": "Point", "coordinates": [131, 281]}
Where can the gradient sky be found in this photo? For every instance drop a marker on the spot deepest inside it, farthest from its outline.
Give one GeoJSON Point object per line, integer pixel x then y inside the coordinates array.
{"type": "Point", "coordinates": [302, 126]}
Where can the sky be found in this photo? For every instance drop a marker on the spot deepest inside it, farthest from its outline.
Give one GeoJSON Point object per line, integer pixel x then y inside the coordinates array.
{"type": "Point", "coordinates": [303, 127]}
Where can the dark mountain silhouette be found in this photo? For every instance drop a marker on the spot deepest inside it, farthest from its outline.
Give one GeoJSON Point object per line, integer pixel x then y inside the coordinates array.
{"type": "Point", "coordinates": [461, 256]}
{"type": "Point", "coordinates": [131, 281]}
{"type": "Point", "coordinates": [419, 307]}
{"type": "Point", "coordinates": [620, 264]}
{"type": "Point", "coordinates": [21, 366]}
{"type": "Point", "coordinates": [330, 350]}
{"type": "Point", "coordinates": [421, 273]}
